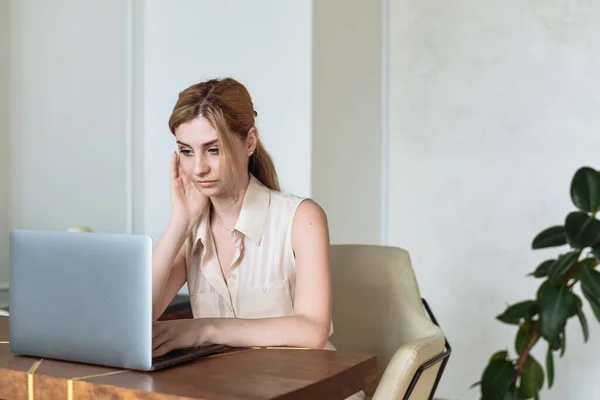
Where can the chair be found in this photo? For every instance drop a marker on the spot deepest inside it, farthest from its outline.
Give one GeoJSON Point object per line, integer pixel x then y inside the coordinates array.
{"type": "Point", "coordinates": [80, 229]}
{"type": "Point", "coordinates": [378, 309]}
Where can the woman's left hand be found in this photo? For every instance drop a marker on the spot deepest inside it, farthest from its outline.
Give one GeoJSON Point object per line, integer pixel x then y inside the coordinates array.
{"type": "Point", "coordinates": [177, 334]}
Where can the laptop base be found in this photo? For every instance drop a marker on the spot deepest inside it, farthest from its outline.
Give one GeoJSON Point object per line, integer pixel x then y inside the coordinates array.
{"type": "Point", "coordinates": [180, 356]}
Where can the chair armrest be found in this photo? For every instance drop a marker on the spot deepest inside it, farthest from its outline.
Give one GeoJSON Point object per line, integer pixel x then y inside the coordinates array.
{"type": "Point", "coordinates": [440, 358]}
{"type": "Point", "coordinates": [413, 369]}
{"type": "Point", "coordinates": [444, 357]}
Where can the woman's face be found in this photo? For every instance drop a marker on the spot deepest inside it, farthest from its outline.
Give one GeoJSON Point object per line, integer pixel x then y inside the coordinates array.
{"type": "Point", "coordinates": [199, 155]}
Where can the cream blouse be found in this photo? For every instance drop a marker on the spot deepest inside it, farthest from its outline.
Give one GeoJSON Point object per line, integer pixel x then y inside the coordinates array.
{"type": "Point", "coordinates": [261, 279]}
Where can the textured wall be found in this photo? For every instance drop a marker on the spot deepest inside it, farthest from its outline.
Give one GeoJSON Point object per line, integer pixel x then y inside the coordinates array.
{"type": "Point", "coordinates": [493, 106]}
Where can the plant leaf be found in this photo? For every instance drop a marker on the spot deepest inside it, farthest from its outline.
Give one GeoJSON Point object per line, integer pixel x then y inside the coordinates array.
{"type": "Point", "coordinates": [555, 344]}
{"type": "Point", "coordinates": [578, 304]}
{"type": "Point", "coordinates": [584, 324]}
{"type": "Point", "coordinates": [521, 341]}
{"type": "Point", "coordinates": [499, 355]}
{"type": "Point", "coordinates": [475, 385]}
{"type": "Point", "coordinates": [582, 230]}
{"type": "Point", "coordinates": [532, 377]}
{"type": "Point", "coordinates": [591, 297]}
{"type": "Point", "coordinates": [590, 286]}
{"type": "Point", "coordinates": [585, 189]}
{"type": "Point", "coordinates": [542, 269]}
{"type": "Point", "coordinates": [556, 305]}
{"type": "Point", "coordinates": [522, 310]}
{"type": "Point", "coordinates": [497, 379]}
{"type": "Point", "coordinates": [596, 311]}
{"type": "Point", "coordinates": [550, 237]}
{"type": "Point", "coordinates": [513, 394]}
{"type": "Point", "coordinates": [562, 265]}
{"type": "Point", "coordinates": [550, 367]}
{"type": "Point", "coordinates": [563, 343]}
{"type": "Point", "coordinates": [589, 262]}
{"type": "Point", "coordinates": [596, 251]}
{"type": "Point", "coordinates": [523, 335]}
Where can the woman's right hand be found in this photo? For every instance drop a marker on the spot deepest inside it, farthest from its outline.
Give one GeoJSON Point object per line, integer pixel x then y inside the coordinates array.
{"type": "Point", "coordinates": [187, 201]}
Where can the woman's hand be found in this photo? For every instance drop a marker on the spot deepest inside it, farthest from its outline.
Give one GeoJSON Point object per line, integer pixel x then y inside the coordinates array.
{"type": "Point", "coordinates": [187, 200]}
{"type": "Point", "coordinates": [177, 334]}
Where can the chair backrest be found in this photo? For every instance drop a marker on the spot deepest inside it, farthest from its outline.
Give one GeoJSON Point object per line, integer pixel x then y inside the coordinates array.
{"type": "Point", "coordinates": [377, 305]}
{"type": "Point", "coordinates": [80, 229]}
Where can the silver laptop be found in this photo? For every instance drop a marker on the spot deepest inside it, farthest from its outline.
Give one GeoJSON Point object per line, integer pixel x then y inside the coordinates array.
{"type": "Point", "coordinates": [86, 297]}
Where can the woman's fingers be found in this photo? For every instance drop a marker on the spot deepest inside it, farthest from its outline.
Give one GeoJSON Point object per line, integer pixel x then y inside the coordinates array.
{"type": "Point", "coordinates": [163, 340]}
{"type": "Point", "coordinates": [157, 329]}
{"type": "Point", "coordinates": [177, 173]}
{"type": "Point", "coordinates": [184, 179]}
{"type": "Point", "coordinates": [163, 349]}
{"type": "Point", "coordinates": [160, 340]}
{"type": "Point", "coordinates": [174, 166]}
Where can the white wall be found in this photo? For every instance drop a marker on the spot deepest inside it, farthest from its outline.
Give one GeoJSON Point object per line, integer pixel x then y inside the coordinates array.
{"type": "Point", "coordinates": [4, 79]}
{"type": "Point", "coordinates": [90, 105]}
{"type": "Point", "coordinates": [492, 109]}
{"type": "Point", "coordinates": [347, 123]}
{"type": "Point", "coordinates": [69, 114]}
{"type": "Point", "coordinates": [265, 44]}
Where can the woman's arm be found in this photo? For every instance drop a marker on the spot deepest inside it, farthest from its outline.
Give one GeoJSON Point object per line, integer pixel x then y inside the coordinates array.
{"type": "Point", "coordinates": [310, 325]}
{"type": "Point", "coordinates": [168, 265]}
{"type": "Point", "coordinates": [168, 259]}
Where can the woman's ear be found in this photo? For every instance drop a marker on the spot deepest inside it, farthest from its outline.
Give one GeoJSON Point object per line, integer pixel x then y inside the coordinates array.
{"type": "Point", "coordinates": [251, 141]}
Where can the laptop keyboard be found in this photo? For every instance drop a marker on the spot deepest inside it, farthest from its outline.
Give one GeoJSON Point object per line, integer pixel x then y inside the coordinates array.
{"type": "Point", "coordinates": [174, 353]}
{"type": "Point", "coordinates": [184, 355]}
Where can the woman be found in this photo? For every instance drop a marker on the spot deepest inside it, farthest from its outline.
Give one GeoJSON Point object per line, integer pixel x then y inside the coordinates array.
{"type": "Point", "coordinates": [256, 260]}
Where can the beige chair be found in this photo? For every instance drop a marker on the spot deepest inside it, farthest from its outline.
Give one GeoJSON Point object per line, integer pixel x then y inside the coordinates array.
{"type": "Point", "coordinates": [80, 229]}
{"type": "Point", "coordinates": [378, 309]}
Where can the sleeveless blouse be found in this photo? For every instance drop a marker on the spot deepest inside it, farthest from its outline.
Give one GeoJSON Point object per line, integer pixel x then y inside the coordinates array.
{"type": "Point", "coordinates": [261, 279]}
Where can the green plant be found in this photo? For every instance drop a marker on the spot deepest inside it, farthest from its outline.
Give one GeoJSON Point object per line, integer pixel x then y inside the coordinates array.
{"type": "Point", "coordinates": [545, 317]}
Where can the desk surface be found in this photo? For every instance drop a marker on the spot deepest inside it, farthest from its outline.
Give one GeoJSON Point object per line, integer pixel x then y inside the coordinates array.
{"type": "Point", "coordinates": [239, 374]}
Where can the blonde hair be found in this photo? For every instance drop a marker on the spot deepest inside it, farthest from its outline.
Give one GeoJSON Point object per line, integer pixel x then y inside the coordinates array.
{"type": "Point", "coordinates": [227, 105]}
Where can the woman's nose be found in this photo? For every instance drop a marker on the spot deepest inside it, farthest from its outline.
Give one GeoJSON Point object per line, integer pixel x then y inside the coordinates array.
{"type": "Point", "coordinates": [200, 166]}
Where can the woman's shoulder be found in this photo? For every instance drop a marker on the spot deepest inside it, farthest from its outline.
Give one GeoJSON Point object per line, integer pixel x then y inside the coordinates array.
{"type": "Point", "coordinates": [310, 228]}
{"type": "Point", "coordinates": [310, 212]}
{"type": "Point", "coordinates": [301, 208]}
{"type": "Point", "coordinates": [285, 199]}
{"type": "Point", "coordinates": [294, 207]}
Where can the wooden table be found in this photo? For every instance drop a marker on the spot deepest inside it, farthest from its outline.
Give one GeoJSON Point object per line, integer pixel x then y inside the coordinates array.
{"type": "Point", "coordinates": [238, 374]}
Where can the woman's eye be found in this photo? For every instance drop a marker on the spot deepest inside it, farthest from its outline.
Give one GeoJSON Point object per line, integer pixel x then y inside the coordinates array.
{"type": "Point", "coordinates": [185, 152]}
{"type": "Point", "coordinates": [213, 150]}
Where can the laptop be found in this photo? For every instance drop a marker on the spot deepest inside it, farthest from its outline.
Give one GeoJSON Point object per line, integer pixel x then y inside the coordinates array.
{"type": "Point", "coordinates": [86, 297]}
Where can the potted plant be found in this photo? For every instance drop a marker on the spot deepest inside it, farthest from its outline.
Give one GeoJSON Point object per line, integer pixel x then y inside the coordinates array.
{"type": "Point", "coordinates": [566, 281]}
